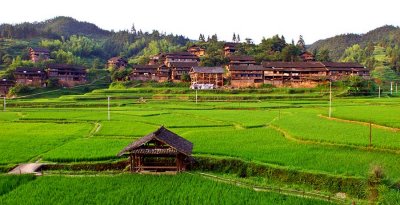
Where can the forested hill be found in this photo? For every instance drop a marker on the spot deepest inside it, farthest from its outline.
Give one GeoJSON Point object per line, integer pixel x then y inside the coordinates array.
{"type": "Point", "coordinates": [338, 44]}
{"type": "Point", "coordinates": [52, 28]}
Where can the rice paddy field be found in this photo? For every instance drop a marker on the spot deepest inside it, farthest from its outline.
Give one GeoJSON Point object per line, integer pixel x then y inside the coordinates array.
{"type": "Point", "coordinates": [285, 131]}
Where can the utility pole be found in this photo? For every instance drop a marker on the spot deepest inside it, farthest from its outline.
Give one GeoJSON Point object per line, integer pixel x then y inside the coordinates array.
{"type": "Point", "coordinates": [108, 108]}
{"type": "Point", "coordinates": [330, 99]}
{"type": "Point", "coordinates": [370, 134]}
{"type": "Point", "coordinates": [391, 88]}
{"type": "Point", "coordinates": [196, 96]}
{"type": "Point", "coordinates": [379, 91]}
{"type": "Point", "coordinates": [4, 104]}
{"type": "Point", "coordinates": [396, 88]}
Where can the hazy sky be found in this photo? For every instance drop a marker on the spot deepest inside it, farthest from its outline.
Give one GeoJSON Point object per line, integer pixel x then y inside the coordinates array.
{"type": "Point", "coordinates": [314, 19]}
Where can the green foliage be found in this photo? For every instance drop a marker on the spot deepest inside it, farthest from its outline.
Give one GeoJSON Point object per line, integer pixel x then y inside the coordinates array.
{"type": "Point", "coordinates": [140, 189]}
{"type": "Point", "coordinates": [53, 83]}
{"type": "Point", "coordinates": [11, 182]}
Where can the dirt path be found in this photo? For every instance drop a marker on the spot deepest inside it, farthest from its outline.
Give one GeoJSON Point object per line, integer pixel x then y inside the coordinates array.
{"type": "Point", "coordinates": [29, 168]}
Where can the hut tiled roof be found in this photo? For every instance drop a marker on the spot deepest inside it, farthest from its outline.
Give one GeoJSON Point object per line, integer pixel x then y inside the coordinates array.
{"type": "Point", "coordinates": [164, 135]}
{"type": "Point", "coordinates": [67, 67]}
{"type": "Point", "coordinates": [247, 67]}
{"type": "Point", "coordinates": [183, 64]}
{"type": "Point", "coordinates": [116, 59]}
{"type": "Point", "coordinates": [230, 44]}
{"type": "Point", "coordinates": [293, 64]}
{"type": "Point", "coordinates": [214, 70]}
{"type": "Point", "coordinates": [28, 71]}
{"type": "Point", "coordinates": [342, 65]}
{"type": "Point", "coordinates": [145, 67]}
{"type": "Point", "coordinates": [241, 58]}
{"type": "Point", "coordinates": [6, 82]}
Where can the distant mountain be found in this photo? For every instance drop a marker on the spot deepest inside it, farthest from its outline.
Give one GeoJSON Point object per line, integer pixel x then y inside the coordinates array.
{"type": "Point", "coordinates": [52, 28]}
{"type": "Point", "coordinates": [338, 44]}
{"type": "Point", "coordinates": [68, 26]}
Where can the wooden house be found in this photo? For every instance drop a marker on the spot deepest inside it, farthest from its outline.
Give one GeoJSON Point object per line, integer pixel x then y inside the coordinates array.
{"type": "Point", "coordinates": [294, 74]}
{"type": "Point", "coordinates": [67, 75]}
{"type": "Point", "coordinates": [5, 86]}
{"type": "Point", "coordinates": [158, 151]}
{"type": "Point", "coordinates": [230, 48]}
{"type": "Point", "coordinates": [196, 50]}
{"type": "Point", "coordinates": [144, 72]}
{"type": "Point", "coordinates": [39, 54]}
{"type": "Point", "coordinates": [30, 76]}
{"type": "Point", "coordinates": [246, 75]}
{"type": "Point", "coordinates": [241, 60]}
{"type": "Point", "coordinates": [307, 56]}
{"type": "Point", "coordinates": [117, 62]}
{"type": "Point", "coordinates": [338, 70]}
{"type": "Point", "coordinates": [180, 57]}
{"type": "Point", "coordinates": [163, 73]}
{"type": "Point", "coordinates": [157, 59]}
{"type": "Point", "coordinates": [178, 69]}
{"type": "Point", "coordinates": [207, 75]}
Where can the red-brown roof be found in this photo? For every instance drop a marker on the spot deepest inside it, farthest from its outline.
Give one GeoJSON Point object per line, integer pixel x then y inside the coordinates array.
{"type": "Point", "coordinates": [40, 50]}
{"type": "Point", "coordinates": [183, 64]}
{"type": "Point", "coordinates": [241, 58]}
{"type": "Point", "coordinates": [246, 67]}
{"type": "Point", "coordinates": [213, 70]}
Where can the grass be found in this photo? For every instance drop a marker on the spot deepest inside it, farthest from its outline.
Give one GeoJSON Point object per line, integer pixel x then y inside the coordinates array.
{"type": "Point", "coordinates": [21, 142]}
{"type": "Point", "coordinates": [141, 189]}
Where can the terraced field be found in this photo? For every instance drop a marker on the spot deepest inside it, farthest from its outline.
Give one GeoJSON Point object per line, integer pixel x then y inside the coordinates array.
{"type": "Point", "coordinates": [288, 134]}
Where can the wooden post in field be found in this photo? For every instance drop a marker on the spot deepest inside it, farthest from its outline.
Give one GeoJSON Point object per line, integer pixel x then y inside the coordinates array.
{"type": "Point", "coordinates": [391, 88]}
{"type": "Point", "coordinates": [396, 88]}
{"type": "Point", "coordinates": [379, 91]}
{"type": "Point", "coordinates": [108, 108]}
{"type": "Point", "coordinates": [370, 134]}
{"type": "Point", "coordinates": [4, 104]}
{"type": "Point", "coordinates": [196, 96]}
{"type": "Point", "coordinates": [330, 99]}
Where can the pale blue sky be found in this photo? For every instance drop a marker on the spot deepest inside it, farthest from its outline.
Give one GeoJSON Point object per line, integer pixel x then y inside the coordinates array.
{"type": "Point", "coordinates": [314, 19]}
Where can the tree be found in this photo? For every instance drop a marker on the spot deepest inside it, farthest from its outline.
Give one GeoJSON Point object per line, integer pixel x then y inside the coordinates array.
{"type": "Point", "coordinates": [234, 37]}
{"type": "Point", "coordinates": [249, 41]}
{"type": "Point", "coordinates": [290, 53]}
{"type": "Point", "coordinates": [201, 38]}
{"type": "Point", "coordinates": [323, 55]}
{"type": "Point", "coordinates": [238, 38]}
{"type": "Point", "coordinates": [301, 44]}
{"type": "Point", "coordinates": [133, 29]}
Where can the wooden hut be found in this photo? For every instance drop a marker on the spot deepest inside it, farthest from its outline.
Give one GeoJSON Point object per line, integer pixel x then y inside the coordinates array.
{"type": "Point", "coordinates": [39, 54]}
{"type": "Point", "coordinates": [30, 76]}
{"type": "Point", "coordinates": [161, 150]}
{"type": "Point", "coordinates": [5, 86]}
{"type": "Point", "coordinates": [67, 75]}
{"type": "Point", "coordinates": [117, 62]}
{"type": "Point", "coordinates": [207, 76]}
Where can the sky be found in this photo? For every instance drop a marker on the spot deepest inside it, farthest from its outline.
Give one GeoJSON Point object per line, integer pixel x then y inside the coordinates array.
{"type": "Point", "coordinates": [255, 19]}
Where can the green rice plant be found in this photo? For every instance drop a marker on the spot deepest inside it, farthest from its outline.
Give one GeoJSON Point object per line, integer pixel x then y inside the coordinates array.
{"type": "Point", "coordinates": [10, 182]}
{"type": "Point", "coordinates": [87, 149]}
{"type": "Point", "coordinates": [142, 189]}
{"type": "Point", "coordinates": [21, 142]}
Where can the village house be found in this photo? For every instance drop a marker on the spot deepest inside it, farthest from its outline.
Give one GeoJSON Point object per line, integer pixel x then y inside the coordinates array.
{"type": "Point", "coordinates": [207, 77]}
{"type": "Point", "coordinates": [159, 151]}
{"type": "Point", "coordinates": [339, 70]}
{"type": "Point", "coordinates": [163, 73]}
{"type": "Point", "coordinates": [180, 69]}
{"type": "Point", "coordinates": [144, 72]}
{"type": "Point", "coordinates": [246, 75]}
{"type": "Point", "coordinates": [241, 60]}
{"type": "Point", "coordinates": [157, 59]}
{"type": "Point", "coordinates": [117, 62]}
{"type": "Point", "coordinates": [294, 74]}
{"type": "Point", "coordinates": [39, 54]}
{"type": "Point", "coordinates": [30, 76]}
{"type": "Point", "coordinates": [67, 75]}
{"type": "Point", "coordinates": [307, 56]}
{"type": "Point", "coordinates": [196, 50]}
{"type": "Point", "coordinates": [230, 48]}
{"type": "Point", "coordinates": [5, 86]}
{"type": "Point", "coordinates": [180, 57]}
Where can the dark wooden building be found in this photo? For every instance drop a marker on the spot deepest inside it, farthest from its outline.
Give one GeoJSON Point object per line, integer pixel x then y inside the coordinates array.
{"type": "Point", "coordinates": [207, 76]}
{"type": "Point", "coordinates": [161, 150]}
{"type": "Point", "coordinates": [30, 76]}
{"type": "Point", "coordinates": [339, 70]}
{"type": "Point", "coordinates": [230, 48]}
{"type": "Point", "coordinates": [144, 72]}
{"type": "Point", "coordinates": [307, 56]}
{"type": "Point", "coordinates": [241, 60]}
{"type": "Point", "coordinates": [246, 75]}
{"type": "Point", "coordinates": [180, 57]}
{"type": "Point", "coordinates": [67, 75]}
{"type": "Point", "coordinates": [196, 50]}
{"type": "Point", "coordinates": [163, 73]}
{"type": "Point", "coordinates": [178, 69]}
{"type": "Point", "coordinates": [117, 62]}
{"type": "Point", "coordinates": [5, 86]}
{"type": "Point", "coordinates": [294, 74]}
{"type": "Point", "coordinates": [39, 54]}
